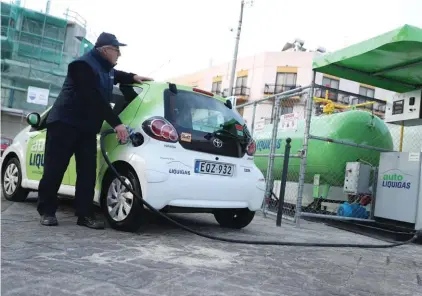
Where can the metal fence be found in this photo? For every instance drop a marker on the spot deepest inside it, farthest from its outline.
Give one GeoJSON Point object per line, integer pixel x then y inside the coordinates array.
{"type": "Point", "coordinates": [269, 119]}
{"type": "Point", "coordinates": [323, 150]}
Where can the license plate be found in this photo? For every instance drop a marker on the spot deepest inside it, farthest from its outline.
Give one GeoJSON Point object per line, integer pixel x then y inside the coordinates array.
{"type": "Point", "coordinates": [213, 168]}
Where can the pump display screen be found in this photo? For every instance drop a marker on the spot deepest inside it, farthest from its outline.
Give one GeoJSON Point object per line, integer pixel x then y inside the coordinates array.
{"type": "Point", "coordinates": [398, 107]}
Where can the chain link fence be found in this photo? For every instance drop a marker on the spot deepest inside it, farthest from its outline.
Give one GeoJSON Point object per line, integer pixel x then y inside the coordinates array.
{"type": "Point", "coordinates": [346, 141]}
{"type": "Point", "coordinates": [272, 123]}
{"type": "Point", "coordinates": [331, 138]}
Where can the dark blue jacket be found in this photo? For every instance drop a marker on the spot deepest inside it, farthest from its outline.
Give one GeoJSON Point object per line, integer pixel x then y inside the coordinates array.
{"type": "Point", "coordinates": [84, 101]}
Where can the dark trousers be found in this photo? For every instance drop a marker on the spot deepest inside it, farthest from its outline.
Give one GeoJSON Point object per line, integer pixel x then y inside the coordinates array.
{"type": "Point", "coordinates": [63, 141]}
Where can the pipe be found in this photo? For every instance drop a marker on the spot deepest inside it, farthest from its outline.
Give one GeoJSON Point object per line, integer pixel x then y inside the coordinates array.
{"type": "Point", "coordinates": [401, 136]}
{"type": "Point", "coordinates": [286, 94]}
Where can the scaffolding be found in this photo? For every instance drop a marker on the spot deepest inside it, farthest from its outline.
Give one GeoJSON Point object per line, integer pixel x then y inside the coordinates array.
{"type": "Point", "coordinates": [35, 51]}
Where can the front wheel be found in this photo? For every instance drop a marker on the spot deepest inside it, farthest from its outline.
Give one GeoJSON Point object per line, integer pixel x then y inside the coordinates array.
{"type": "Point", "coordinates": [234, 218]}
{"type": "Point", "coordinates": [12, 180]}
{"type": "Point", "coordinates": [122, 209]}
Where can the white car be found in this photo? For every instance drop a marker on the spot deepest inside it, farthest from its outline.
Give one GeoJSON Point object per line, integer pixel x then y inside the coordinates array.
{"type": "Point", "coordinates": [195, 155]}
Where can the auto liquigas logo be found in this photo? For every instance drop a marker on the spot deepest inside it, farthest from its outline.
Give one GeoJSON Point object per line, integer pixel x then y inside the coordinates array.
{"type": "Point", "coordinates": [396, 179]}
{"type": "Point", "coordinates": [36, 156]}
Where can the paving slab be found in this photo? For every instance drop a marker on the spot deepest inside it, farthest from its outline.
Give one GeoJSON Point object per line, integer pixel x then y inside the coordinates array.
{"type": "Point", "coordinates": [161, 259]}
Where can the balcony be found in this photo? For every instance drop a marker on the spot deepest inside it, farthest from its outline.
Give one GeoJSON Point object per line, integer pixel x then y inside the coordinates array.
{"type": "Point", "coordinates": [240, 91]}
{"type": "Point", "coordinates": [271, 89]}
{"type": "Point", "coordinates": [217, 92]}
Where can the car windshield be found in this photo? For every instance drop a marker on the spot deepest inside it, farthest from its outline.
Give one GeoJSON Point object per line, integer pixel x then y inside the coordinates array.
{"type": "Point", "coordinates": [203, 114]}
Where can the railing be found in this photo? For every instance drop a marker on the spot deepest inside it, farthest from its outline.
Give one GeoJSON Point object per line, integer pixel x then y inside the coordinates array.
{"type": "Point", "coordinates": [241, 91]}
{"type": "Point", "coordinates": [217, 92]}
{"type": "Point", "coordinates": [277, 88]}
{"type": "Point", "coordinates": [332, 93]}
{"type": "Point", "coordinates": [71, 15]}
{"type": "Point", "coordinates": [236, 91]}
{"type": "Point", "coordinates": [347, 98]}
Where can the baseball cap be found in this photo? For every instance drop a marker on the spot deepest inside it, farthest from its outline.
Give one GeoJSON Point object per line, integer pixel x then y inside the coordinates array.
{"type": "Point", "coordinates": [108, 39]}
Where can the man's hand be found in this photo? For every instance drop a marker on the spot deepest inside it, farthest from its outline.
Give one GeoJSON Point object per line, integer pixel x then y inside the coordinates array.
{"type": "Point", "coordinates": [122, 133]}
{"type": "Point", "coordinates": [140, 79]}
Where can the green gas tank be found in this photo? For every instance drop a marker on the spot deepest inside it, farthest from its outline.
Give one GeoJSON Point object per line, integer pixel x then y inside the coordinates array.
{"type": "Point", "coordinates": [326, 158]}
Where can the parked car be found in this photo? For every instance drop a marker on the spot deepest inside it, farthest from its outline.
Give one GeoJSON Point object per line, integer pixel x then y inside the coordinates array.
{"type": "Point", "coordinates": [5, 142]}
{"type": "Point", "coordinates": [196, 155]}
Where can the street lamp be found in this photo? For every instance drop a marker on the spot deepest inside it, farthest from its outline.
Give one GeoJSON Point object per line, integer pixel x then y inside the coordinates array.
{"type": "Point", "coordinates": [236, 47]}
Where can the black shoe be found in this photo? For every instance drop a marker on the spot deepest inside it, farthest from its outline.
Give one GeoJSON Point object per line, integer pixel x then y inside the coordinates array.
{"type": "Point", "coordinates": [90, 222]}
{"type": "Point", "coordinates": [49, 220]}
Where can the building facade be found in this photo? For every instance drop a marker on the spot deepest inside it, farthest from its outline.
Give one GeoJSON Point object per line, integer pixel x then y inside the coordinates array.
{"type": "Point", "coordinates": [269, 73]}
{"type": "Point", "coordinates": [35, 51]}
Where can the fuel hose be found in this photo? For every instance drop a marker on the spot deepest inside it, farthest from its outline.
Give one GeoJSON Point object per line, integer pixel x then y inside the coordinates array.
{"type": "Point", "coordinates": [417, 235]}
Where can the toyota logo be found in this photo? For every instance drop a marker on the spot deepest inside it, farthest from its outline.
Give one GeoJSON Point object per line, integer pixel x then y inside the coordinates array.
{"type": "Point", "coordinates": [217, 143]}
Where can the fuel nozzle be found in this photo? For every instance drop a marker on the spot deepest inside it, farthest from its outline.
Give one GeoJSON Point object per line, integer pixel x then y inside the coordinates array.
{"type": "Point", "coordinates": [135, 138]}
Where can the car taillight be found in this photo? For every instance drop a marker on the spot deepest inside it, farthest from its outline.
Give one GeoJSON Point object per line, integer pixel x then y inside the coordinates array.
{"type": "Point", "coordinates": [160, 129]}
{"type": "Point", "coordinates": [250, 150]}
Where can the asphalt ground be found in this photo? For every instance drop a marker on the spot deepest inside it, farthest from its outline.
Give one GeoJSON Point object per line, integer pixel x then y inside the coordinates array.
{"type": "Point", "coordinates": [161, 259]}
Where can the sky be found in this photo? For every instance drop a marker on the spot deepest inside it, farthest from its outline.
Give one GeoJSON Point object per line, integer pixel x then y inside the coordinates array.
{"type": "Point", "coordinates": [168, 38]}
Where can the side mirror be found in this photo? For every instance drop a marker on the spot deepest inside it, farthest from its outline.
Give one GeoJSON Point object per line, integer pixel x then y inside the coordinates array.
{"type": "Point", "coordinates": [33, 119]}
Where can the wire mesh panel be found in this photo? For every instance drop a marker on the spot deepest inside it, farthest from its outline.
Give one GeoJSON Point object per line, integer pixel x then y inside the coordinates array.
{"type": "Point", "coordinates": [345, 140]}
{"type": "Point", "coordinates": [272, 120]}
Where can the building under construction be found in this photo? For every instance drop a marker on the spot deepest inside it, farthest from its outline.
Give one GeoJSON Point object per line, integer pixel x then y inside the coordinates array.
{"type": "Point", "coordinates": [35, 50]}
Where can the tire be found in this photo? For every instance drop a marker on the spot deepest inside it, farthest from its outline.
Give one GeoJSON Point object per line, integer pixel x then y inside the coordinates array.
{"type": "Point", "coordinates": [234, 218]}
{"type": "Point", "coordinates": [125, 218]}
{"type": "Point", "coordinates": [12, 180]}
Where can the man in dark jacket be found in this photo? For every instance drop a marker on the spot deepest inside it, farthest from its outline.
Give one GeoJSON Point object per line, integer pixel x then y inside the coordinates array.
{"type": "Point", "coordinates": [73, 124]}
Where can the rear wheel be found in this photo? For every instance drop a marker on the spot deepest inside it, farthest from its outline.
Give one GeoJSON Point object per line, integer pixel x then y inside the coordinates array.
{"type": "Point", "coordinates": [234, 218]}
{"type": "Point", "coordinates": [122, 209]}
{"type": "Point", "coordinates": [12, 180]}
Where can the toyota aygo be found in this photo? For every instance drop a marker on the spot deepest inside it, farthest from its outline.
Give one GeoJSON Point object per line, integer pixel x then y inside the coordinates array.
{"type": "Point", "coordinates": [194, 154]}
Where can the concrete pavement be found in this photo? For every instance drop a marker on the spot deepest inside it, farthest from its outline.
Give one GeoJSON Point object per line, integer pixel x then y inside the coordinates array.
{"type": "Point", "coordinates": [163, 260]}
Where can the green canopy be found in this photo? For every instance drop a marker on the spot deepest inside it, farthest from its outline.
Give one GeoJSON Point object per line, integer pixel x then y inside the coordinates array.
{"type": "Point", "coordinates": [391, 61]}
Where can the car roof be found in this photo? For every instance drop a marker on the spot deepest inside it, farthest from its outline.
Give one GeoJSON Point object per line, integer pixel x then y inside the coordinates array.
{"type": "Point", "coordinates": [161, 84]}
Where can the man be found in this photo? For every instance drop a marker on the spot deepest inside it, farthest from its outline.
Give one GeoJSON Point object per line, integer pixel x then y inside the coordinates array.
{"type": "Point", "coordinates": [73, 124]}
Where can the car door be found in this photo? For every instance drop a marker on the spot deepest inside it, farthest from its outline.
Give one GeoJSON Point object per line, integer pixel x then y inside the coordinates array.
{"type": "Point", "coordinates": [122, 98]}
{"type": "Point", "coordinates": [35, 149]}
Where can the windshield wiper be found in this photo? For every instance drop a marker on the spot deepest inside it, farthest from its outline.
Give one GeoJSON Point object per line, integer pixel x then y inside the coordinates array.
{"type": "Point", "coordinates": [227, 133]}
{"type": "Point", "coordinates": [221, 131]}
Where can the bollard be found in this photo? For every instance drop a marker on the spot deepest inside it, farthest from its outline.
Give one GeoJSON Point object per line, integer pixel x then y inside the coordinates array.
{"type": "Point", "coordinates": [283, 182]}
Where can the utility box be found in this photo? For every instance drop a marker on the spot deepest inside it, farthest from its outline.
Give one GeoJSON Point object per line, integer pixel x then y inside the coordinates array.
{"type": "Point", "coordinates": [405, 108]}
{"type": "Point", "coordinates": [398, 186]}
{"type": "Point", "coordinates": [357, 178]}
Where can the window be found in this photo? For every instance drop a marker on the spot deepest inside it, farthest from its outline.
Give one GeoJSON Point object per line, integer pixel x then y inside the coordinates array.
{"type": "Point", "coordinates": [200, 116]}
{"type": "Point", "coordinates": [123, 96]}
{"type": "Point", "coordinates": [199, 113]}
{"type": "Point", "coordinates": [331, 83]}
{"type": "Point", "coordinates": [216, 87]}
{"type": "Point", "coordinates": [241, 86]}
{"type": "Point", "coordinates": [206, 120]}
{"type": "Point", "coordinates": [366, 91]}
{"type": "Point", "coordinates": [285, 82]}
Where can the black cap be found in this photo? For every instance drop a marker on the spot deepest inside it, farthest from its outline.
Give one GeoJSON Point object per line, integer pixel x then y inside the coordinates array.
{"type": "Point", "coordinates": [108, 39]}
